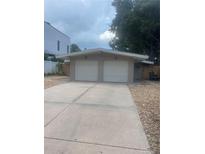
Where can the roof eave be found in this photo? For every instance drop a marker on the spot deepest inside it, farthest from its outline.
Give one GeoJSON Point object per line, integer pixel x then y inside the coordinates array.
{"type": "Point", "coordinates": [120, 53]}
{"type": "Point", "coordinates": [148, 62]}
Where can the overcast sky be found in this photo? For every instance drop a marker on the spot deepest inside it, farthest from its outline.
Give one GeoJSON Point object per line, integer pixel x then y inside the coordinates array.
{"type": "Point", "coordinates": [85, 21]}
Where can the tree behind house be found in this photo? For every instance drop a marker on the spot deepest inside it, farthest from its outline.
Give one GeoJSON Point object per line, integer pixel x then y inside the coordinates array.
{"type": "Point", "coordinates": [137, 27]}
{"type": "Point", "coordinates": [74, 48]}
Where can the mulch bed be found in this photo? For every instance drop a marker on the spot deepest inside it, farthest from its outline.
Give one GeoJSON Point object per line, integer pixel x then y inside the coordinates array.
{"type": "Point", "coordinates": [147, 98]}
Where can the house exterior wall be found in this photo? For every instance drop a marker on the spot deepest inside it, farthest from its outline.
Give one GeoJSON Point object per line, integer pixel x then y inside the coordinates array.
{"type": "Point", "coordinates": [51, 37]}
{"type": "Point", "coordinates": [138, 71]}
{"type": "Point", "coordinates": [72, 70]}
{"type": "Point", "coordinates": [101, 57]}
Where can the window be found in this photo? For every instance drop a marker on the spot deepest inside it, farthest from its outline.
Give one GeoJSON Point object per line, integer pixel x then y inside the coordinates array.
{"type": "Point", "coordinates": [67, 48]}
{"type": "Point", "coordinates": [58, 45]}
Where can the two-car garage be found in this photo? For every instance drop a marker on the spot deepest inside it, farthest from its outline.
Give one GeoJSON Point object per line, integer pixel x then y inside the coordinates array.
{"type": "Point", "coordinates": [113, 71]}
{"type": "Point", "coordinates": [103, 66]}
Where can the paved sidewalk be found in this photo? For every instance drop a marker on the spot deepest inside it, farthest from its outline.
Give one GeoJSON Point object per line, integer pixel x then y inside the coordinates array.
{"type": "Point", "coordinates": [92, 118]}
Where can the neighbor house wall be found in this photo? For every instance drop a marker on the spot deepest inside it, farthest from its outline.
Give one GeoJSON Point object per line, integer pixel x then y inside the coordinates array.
{"type": "Point", "coordinates": [51, 37]}
{"type": "Point", "coordinates": [101, 57]}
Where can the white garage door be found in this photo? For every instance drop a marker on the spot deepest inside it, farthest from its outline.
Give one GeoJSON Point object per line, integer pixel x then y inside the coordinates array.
{"type": "Point", "coordinates": [86, 70]}
{"type": "Point", "coordinates": [115, 71]}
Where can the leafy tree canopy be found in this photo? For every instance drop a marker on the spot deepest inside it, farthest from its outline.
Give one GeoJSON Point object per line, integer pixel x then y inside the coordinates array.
{"type": "Point", "coordinates": [137, 27]}
{"type": "Point", "coordinates": [74, 48]}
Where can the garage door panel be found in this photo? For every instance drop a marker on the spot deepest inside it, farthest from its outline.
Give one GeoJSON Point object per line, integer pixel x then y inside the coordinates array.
{"type": "Point", "coordinates": [115, 71]}
{"type": "Point", "coordinates": [86, 70]}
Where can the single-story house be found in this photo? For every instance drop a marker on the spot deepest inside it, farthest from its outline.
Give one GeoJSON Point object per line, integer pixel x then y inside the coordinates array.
{"type": "Point", "coordinates": [103, 65]}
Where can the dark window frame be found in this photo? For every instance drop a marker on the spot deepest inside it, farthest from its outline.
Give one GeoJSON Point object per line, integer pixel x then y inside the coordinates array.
{"type": "Point", "coordinates": [58, 45]}
{"type": "Point", "coordinates": [68, 49]}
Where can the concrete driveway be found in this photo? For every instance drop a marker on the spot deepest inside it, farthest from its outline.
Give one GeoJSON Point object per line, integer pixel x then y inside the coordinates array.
{"type": "Point", "coordinates": [92, 118]}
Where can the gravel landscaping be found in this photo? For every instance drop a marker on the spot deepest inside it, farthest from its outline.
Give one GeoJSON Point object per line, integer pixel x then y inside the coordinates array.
{"type": "Point", "coordinates": [52, 80]}
{"type": "Point", "coordinates": [147, 98]}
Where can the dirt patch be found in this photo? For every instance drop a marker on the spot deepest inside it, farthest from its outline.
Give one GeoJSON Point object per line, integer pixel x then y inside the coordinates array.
{"type": "Point", "coordinates": [50, 81]}
{"type": "Point", "coordinates": [147, 98]}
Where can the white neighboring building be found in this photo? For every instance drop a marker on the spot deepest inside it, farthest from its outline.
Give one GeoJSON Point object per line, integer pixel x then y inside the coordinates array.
{"type": "Point", "coordinates": [55, 42]}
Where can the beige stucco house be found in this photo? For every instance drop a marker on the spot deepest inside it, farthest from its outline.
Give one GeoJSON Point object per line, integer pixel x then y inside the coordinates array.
{"type": "Point", "coordinates": [102, 65]}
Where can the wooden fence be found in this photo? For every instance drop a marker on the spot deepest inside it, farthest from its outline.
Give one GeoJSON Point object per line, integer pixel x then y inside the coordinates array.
{"type": "Point", "coordinates": [150, 68]}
